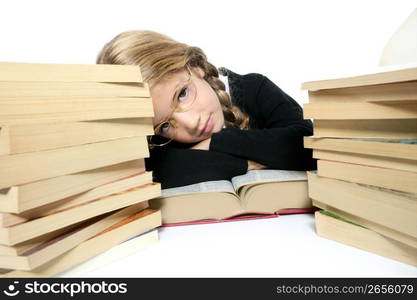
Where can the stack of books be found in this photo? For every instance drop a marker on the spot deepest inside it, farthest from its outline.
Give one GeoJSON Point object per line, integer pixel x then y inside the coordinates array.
{"type": "Point", "coordinates": [365, 140]}
{"type": "Point", "coordinates": [72, 175]}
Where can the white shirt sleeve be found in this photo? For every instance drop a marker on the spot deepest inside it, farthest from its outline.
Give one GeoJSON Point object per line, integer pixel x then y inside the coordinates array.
{"type": "Point", "coordinates": [225, 80]}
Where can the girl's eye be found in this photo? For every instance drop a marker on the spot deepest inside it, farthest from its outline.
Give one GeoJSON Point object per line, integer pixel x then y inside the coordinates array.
{"type": "Point", "coordinates": [182, 96]}
{"type": "Point", "coordinates": [165, 127]}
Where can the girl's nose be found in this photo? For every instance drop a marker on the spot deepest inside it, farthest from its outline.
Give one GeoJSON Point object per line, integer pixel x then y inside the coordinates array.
{"type": "Point", "coordinates": [188, 121]}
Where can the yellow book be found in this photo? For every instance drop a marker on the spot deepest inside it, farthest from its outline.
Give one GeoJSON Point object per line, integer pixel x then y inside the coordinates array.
{"type": "Point", "coordinates": [369, 160]}
{"type": "Point", "coordinates": [401, 92]}
{"type": "Point", "coordinates": [383, 77]}
{"type": "Point", "coordinates": [123, 184]}
{"type": "Point", "coordinates": [15, 71]}
{"type": "Point", "coordinates": [33, 228]}
{"type": "Point", "coordinates": [334, 228]}
{"type": "Point", "coordinates": [140, 228]}
{"type": "Point", "coordinates": [393, 210]}
{"type": "Point", "coordinates": [403, 181]}
{"type": "Point", "coordinates": [30, 89]}
{"type": "Point", "coordinates": [389, 129]}
{"type": "Point", "coordinates": [57, 162]}
{"type": "Point", "coordinates": [360, 111]}
{"type": "Point", "coordinates": [50, 249]}
{"type": "Point", "coordinates": [22, 247]}
{"type": "Point", "coordinates": [20, 198]}
{"type": "Point", "coordinates": [395, 148]}
{"type": "Point", "coordinates": [16, 139]}
{"type": "Point", "coordinates": [16, 111]}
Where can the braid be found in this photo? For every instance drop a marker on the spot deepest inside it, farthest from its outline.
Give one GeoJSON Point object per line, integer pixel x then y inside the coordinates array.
{"type": "Point", "coordinates": [233, 116]}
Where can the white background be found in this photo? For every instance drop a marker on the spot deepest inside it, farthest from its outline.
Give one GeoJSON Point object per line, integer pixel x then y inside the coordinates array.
{"type": "Point", "coordinates": [286, 246]}
{"type": "Point", "coordinates": [288, 41]}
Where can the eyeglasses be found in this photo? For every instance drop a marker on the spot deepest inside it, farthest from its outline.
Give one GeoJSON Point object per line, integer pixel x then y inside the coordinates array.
{"type": "Point", "coordinates": [183, 100]}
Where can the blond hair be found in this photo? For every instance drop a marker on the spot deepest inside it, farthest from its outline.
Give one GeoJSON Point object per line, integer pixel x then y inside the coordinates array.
{"type": "Point", "coordinates": [159, 56]}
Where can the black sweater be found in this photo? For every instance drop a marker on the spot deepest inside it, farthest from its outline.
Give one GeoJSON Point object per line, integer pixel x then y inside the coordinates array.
{"type": "Point", "coordinates": [275, 138]}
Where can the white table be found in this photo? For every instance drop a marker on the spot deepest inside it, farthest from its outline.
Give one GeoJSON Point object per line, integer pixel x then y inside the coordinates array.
{"type": "Point", "coordinates": [280, 247]}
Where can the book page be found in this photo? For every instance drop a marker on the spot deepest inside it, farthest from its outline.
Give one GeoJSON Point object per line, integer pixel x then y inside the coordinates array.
{"type": "Point", "coordinates": [202, 187]}
{"type": "Point", "coordinates": [260, 176]}
{"type": "Point", "coordinates": [385, 190]}
{"type": "Point", "coordinates": [381, 140]}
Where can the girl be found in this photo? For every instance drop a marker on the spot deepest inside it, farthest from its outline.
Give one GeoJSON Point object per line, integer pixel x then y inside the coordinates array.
{"type": "Point", "coordinates": [210, 126]}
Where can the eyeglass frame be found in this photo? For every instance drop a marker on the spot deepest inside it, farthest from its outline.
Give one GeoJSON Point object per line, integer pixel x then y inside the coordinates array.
{"type": "Point", "coordinates": [171, 121]}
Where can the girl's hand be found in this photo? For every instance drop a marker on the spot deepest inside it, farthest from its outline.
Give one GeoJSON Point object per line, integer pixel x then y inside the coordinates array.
{"type": "Point", "coordinates": [203, 145]}
{"type": "Point", "coordinates": [255, 166]}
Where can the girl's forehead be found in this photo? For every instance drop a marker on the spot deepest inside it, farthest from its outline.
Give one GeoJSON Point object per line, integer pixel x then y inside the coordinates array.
{"type": "Point", "coordinates": [168, 83]}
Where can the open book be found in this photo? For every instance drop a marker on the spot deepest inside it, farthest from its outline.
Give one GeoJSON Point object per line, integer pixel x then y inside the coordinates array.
{"type": "Point", "coordinates": [267, 192]}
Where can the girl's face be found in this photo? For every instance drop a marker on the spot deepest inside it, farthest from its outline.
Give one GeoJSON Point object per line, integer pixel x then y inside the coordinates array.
{"type": "Point", "coordinates": [188, 103]}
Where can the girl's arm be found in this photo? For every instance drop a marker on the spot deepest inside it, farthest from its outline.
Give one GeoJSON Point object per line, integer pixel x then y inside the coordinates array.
{"type": "Point", "coordinates": [279, 144]}
{"type": "Point", "coordinates": [175, 167]}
